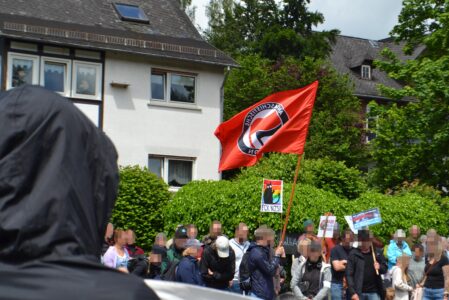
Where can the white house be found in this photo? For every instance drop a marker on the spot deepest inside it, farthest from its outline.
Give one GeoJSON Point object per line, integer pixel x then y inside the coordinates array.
{"type": "Point", "coordinates": [137, 68]}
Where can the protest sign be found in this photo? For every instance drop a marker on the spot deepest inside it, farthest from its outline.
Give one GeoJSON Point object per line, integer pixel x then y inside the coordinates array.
{"type": "Point", "coordinates": [290, 243]}
{"type": "Point", "coordinates": [271, 196]}
{"type": "Point", "coordinates": [366, 218]}
{"type": "Point", "coordinates": [326, 228]}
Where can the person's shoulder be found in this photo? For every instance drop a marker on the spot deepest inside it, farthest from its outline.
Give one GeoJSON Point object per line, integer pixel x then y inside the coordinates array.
{"type": "Point", "coordinates": [444, 261]}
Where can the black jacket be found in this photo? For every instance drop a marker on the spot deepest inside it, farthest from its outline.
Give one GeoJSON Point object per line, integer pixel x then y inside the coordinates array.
{"type": "Point", "coordinates": [355, 271]}
{"type": "Point", "coordinates": [58, 185]}
{"type": "Point", "coordinates": [223, 268]}
{"type": "Point", "coordinates": [263, 269]}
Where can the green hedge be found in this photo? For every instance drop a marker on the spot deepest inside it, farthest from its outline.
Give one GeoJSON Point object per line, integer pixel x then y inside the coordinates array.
{"type": "Point", "coordinates": [237, 201]}
{"type": "Point", "coordinates": [141, 199]}
{"type": "Point", "coordinates": [329, 175]}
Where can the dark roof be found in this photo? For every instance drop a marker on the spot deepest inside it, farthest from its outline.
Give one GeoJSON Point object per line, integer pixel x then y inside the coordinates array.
{"type": "Point", "coordinates": [96, 24]}
{"type": "Point", "coordinates": [349, 53]}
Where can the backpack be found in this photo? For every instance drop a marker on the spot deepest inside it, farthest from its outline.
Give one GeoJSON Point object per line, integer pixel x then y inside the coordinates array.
{"type": "Point", "coordinates": [170, 273]}
{"type": "Point", "coordinates": [245, 273]}
{"type": "Point", "coordinates": [141, 261]}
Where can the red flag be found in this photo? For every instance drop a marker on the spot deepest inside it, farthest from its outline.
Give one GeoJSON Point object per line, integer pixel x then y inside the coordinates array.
{"type": "Point", "coordinates": [278, 123]}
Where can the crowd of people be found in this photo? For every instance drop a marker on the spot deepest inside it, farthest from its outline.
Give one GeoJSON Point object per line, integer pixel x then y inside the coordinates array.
{"type": "Point", "coordinates": [347, 266]}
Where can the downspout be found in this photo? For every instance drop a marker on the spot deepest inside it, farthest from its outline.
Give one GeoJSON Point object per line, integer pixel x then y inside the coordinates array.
{"type": "Point", "coordinates": [228, 70]}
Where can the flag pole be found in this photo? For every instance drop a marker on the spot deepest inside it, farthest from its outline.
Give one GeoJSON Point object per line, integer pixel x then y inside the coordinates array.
{"type": "Point", "coordinates": [290, 202]}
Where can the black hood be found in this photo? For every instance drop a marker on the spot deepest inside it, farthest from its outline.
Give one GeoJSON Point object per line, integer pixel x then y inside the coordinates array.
{"type": "Point", "coordinates": [58, 178]}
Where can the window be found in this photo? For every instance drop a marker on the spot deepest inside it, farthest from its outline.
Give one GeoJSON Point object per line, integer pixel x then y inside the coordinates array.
{"type": "Point", "coordinates": [366, 72]}
{"type": "Point", "coordinates": [22, 69]}
{"type": "Point", "coordinates": [177, 172]}
{"type": "Point", "coordinates": [158, 86]}
{"type": "Point", "coordinates": [371, 123]}
{"type": "Point", "coordinates": [173, 87]}
{"type": "Point", "coordinates": [55, 75]}
{"type": "Point", "coordinates": [182, 88]}
{"type": "Point", "coordinates": [155, 165]}
{"type": "Point", "coordinates": [129, 12]}
{"type": "Point", "coordinates": [86, 80]}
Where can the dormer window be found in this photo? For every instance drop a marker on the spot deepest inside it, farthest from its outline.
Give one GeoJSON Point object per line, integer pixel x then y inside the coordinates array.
{"type": "Point", "coordinates": [131, 13]}
{"type": "Point", "coordinates": [366, 72]}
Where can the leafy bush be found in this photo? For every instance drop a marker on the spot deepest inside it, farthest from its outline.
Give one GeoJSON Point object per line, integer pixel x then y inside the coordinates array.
{"type": "Point", "coordinates": [237, 201]}
{"type": "Point", "coordinates": [142, 196]}
{"type": "Point", "coordinates": [329, 175]}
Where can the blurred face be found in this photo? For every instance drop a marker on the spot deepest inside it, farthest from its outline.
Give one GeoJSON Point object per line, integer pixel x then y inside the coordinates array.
{"type": "Point", "coordinates": [347, 240]}
{"type": "Point", "coordinates": [180, 243]}
{"type": "Point", "coordinates": [215, 230]}
{"type": "Point", "coordinates": [242, 234]}
{"type": "Point", "coordinates": [418, 254]}
{"type": "Point", "coordinates": [130, 237]}
{"type": "Point", "coordinates": [310, 228]}
{"type": "Point", "coordinates": [193, 251]}
{"type": "Point", "coordinates": [404, 261]}
{"type": "Point", "coordinates": [192, 232]}
{"type": "Point", "coordinates": [161, 242]}
{"type": "Point", "coordinates": [365, 246]}
{"type": "Point", "coordinates": [155, 259]}
{"type": "Point", "coordinates": [414, 232]}
{"type": "Point", "coordinates": [314, 255]}
{"type": "Point", "coordinates": [122, 239]}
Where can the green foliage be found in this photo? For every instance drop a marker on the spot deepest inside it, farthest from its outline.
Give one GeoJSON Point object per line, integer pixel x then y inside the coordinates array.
{"type": "Point", "coordinates": [271, 28]}
{"type": "Point", "coordinates": [335, 131]}
{"type": "Point", "coordinates": [412, 141]}
{"type": "Point", "coordinates": [141, 199]}
{"type": "Point", "coordinates": [237, 201]}
{"type": "Point", "coordinates": [424, 22]}
{"type": "Point", "coordinates": [325, 174]}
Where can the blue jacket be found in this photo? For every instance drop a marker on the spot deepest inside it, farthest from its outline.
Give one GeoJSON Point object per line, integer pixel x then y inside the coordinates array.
{"type": "Point", "coordinates": [394, 252]}
{"type": "Point", "coordinates": [189, 271]}
{"type": "Point", "coordinates": [263, 269]}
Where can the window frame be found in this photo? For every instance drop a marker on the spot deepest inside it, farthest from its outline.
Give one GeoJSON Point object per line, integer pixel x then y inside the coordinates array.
{"type": "Point", "coordinates": [368, 67]}
{"type": "Point", "coordinates": [98, 80]}
{"type": "Point", "coordinates": [165, 84]}
{"type": "Point", "coordinates": [9, 69]}
{"type": "Point", "coordinates": [165, 166]}
{"type": "Point", "coordinates": [369, 136]}
{"type": "Point", "coordinates": [167, 88]}
{"type": "Point", "coordinates": [131, 19]}
{"type": "Point", "coordinates": [68, 75]}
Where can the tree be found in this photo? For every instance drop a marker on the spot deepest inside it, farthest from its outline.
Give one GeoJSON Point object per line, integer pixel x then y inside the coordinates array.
{"type": "Point", "coordinates": [412, 141]}
{"type": "Point", "coordinates": [190, 9]}
{"type": "Point", "coordinates": [335, 131]}
{"type": "Point", "coordinates": [268, 28]}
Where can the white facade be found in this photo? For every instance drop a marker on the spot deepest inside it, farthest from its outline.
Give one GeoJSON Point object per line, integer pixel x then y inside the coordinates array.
{"type": "Point", "coordinates": [140, 126]}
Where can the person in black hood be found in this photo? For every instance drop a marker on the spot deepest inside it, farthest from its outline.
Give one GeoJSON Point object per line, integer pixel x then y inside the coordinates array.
{"type": "Point", "coordinates": [58, 185]}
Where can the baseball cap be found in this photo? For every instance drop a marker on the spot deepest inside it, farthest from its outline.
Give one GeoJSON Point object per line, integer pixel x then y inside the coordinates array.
{"type": "Point", "coordinates": [193, 243]}
{"type": "Point", "coordinates": [181, 233]}
{"type": "Point", "coordinates": [400, 233]}
{"type": "Point", "coordinates": [222, 244]}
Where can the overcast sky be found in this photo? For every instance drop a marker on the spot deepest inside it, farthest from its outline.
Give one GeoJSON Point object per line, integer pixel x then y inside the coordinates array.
{"type": "Point", "coordinates": [371, 19]}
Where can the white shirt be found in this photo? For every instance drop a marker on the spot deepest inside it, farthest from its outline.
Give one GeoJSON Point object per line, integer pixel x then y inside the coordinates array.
{"type": "Point", "coordinates": [239, 250]}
